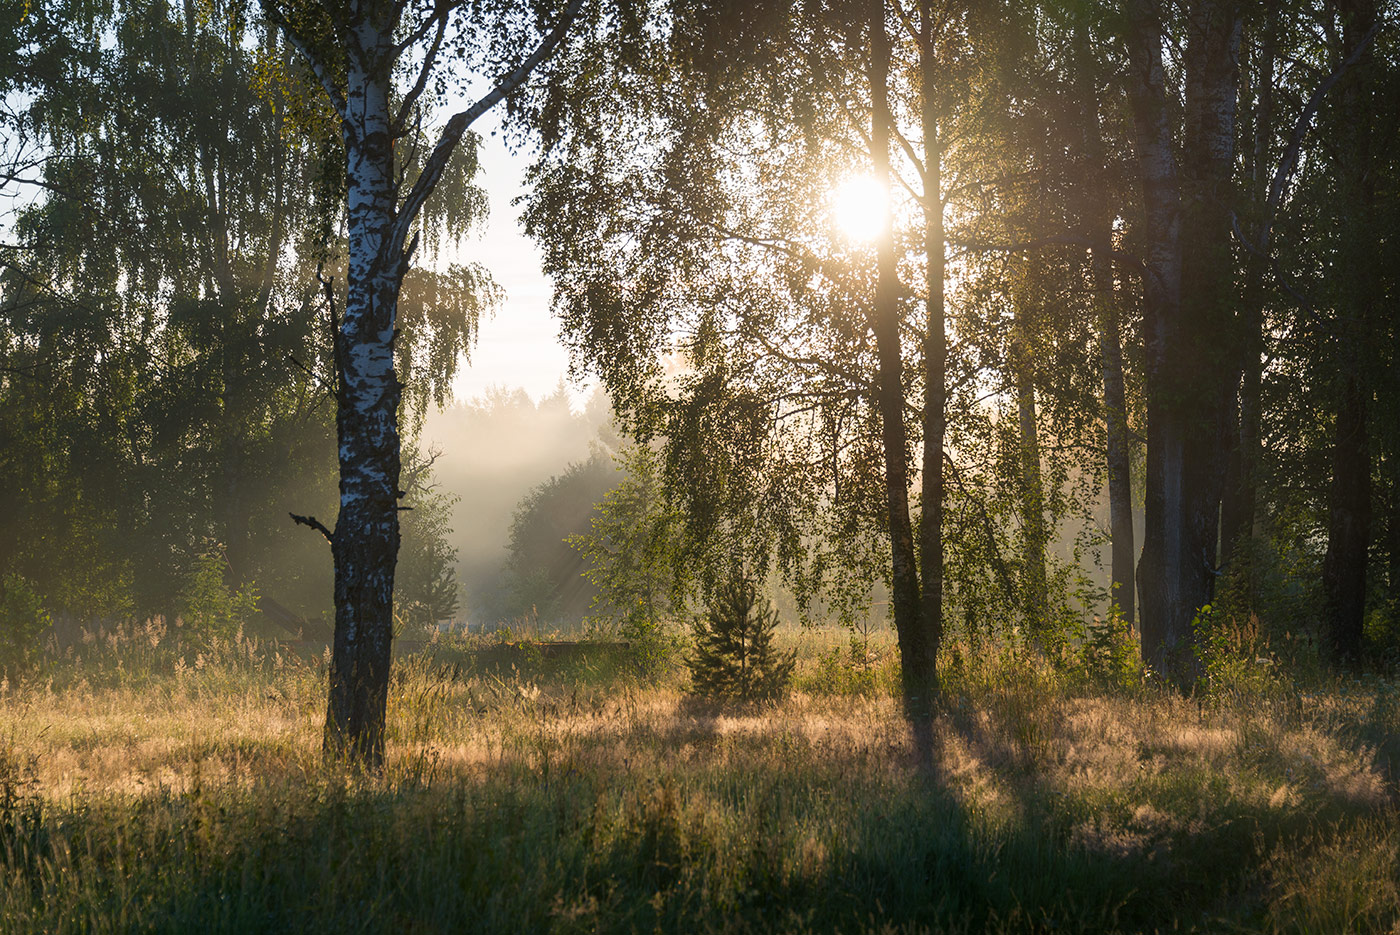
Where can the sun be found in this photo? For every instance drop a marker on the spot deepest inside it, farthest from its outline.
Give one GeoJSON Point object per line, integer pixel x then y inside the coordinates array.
{"type": "Point", "coordinates": [858, 207]}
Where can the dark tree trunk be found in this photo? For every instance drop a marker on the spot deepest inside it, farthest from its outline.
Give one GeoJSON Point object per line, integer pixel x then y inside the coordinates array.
{"type": "Point", "coordinates": [1348, 524]}
{"type": "Point", "coordinates": [1393, 531]}
{"type": "Point", "coordinates": [1349, 501]}
{"type": "Point", "coordinates": [1239, 502]}
{"type": "Point", "coordinates": [1098, 222]}
{"type": "Point", "coordinates": [915, 653]}
{"type": "Point", "coordinates": [935, 379]}
{"type": "Point", "coordinates": [1191, 357]}
{"type": "Point", "coordinates": [1165, 630]}
{"type": "Point", "coordinates": [1035, 533]}
{"type": "Point", "coordinates": [1209, 368]}
{"type": "Point", "coordinates": [1120, 482]}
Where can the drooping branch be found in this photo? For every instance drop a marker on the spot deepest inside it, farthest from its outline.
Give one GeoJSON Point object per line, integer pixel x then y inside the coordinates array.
{"type": "Point", "coordinates": [993, 551]}
{"type": "Point", "coordinates": [977, 246]}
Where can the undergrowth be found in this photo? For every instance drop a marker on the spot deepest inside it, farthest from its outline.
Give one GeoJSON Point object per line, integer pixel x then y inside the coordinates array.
{"type": "Point", "coordinates": [145, 785]}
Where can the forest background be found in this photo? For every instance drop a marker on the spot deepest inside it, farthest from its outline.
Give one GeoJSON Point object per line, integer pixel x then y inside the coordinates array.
{"type": "Point", "coordinates": [1045, 350]}
{"type": "Point", "coordinates": [165, 332]}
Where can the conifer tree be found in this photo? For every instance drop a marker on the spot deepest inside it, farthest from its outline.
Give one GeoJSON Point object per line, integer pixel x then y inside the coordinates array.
{"type": "Point", "coordinates": [734, 654]}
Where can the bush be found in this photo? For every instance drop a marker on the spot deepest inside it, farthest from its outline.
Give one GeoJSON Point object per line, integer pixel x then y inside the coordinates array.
{"type": "Point", "coordinates": [209, 607]}
{"type": "Point", "coordinates": [1234, 658]}
{"type": "Point", "coordinates": [734, 654]}
{"type": "Point", "coordinates": [1108, 655]}
{"type": "Point", "coordinates": [22, 620]}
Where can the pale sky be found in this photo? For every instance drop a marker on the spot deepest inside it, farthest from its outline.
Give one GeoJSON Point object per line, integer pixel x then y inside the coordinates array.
{"type": "Point", "coordinates": [518, 346]}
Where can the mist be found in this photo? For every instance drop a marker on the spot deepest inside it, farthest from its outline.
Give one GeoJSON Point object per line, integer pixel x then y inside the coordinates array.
{"type": "Point", "coordinates": [493, 451]}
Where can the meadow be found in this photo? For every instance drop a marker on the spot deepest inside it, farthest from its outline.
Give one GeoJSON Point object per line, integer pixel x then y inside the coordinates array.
{"type": "Point", "coordinates": [149, 787]}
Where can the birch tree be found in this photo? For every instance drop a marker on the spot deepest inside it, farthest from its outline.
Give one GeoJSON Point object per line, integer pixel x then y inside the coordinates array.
{"type": "Point", "coordinates": [1189, 336]}
{"type": "Point", "coordinates": [380, 64]}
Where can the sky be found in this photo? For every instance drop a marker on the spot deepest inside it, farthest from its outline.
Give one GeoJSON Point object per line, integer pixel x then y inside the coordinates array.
{"type": "Point", "coordinates": [519, 345]}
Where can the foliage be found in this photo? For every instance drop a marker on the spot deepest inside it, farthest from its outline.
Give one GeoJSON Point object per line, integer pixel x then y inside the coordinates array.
{"type": "Point", "coordinates": [636, 549]}
{"type": "Point", "coordinates": [733, 655]}
{"type": "Point", "coordinates": [1107, 654]}
{"type": "Point", "coordinates": [23, 620]}
{"type": "Point", "coordinates": [1234, 657]}
{"type": "Point", "coordinates": [858, 668]}
{"type": "Point", "coordinates": [426, 590]}
{"type": "Point", "coordinates": [211, 608]}
{"type": "Point", "coordinates": [545, 571]}
{"type": "Point", "coordinates": [156, 318]}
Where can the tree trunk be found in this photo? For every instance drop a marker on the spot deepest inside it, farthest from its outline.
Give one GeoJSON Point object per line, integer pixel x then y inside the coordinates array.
{"type": "Point", "coordinates": [1393, 531]}
{"type": "Point", "coordinates": [916, 658]}
{"type": "Point", "coordinates": [1208, 371]}
{"type": "Point", "coordinates": [358, 80]}
{"type": "Point", "coordinates": [1191, 356]}
{"type": "Point", "coordinates": [1348, 524]}
{"type": "Point", "coordinates": [1349, 502]}
{"type": "Point", "coordinates": [1238, 505]}
{"type": "Point", "coordinates": [935, 377]}
{"type": "Point", "coordinates": [366, 540]}
{"type": "Point", "coordinates": [1165, 629]}
{"type": "Point", "coordinates": [1099, 229]}
{"type": "Point", "coordinates": [1120, 482]}
{"type": "Point", "coordinates": [1035, 533]}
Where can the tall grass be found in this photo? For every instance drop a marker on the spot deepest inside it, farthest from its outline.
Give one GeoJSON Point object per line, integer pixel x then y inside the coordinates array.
{"type": "Point", "coordinates": [145, 789]}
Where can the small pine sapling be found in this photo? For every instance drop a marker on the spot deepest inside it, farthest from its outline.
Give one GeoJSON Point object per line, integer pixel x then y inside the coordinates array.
{"type": "Point", "coordinates": [734, 654]}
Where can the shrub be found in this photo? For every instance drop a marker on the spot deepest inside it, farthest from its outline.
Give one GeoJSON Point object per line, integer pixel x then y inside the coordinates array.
{"type": "Point", "coordinates": [209, 607]}
{"type": "Point", "coordinates": [1233, 657]}
{"type": "Point", "coordinates": [734, 654]}
{"type": "Point", "coordinates": [1108, 654]}
{"type": "Point", "coordinates": [22, 620]}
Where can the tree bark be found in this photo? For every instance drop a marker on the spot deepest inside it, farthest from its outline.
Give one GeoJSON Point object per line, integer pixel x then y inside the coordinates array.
{"type": "Point", "coordinates": [1099, 230]}
{"type": "Point", "coordinates": [1209, 369]}
{"type": "Point", "coordinates": [1164, 631]}
{"type": "Point", "coordinates": [1349, 502]}
{"type": "Point", "coordinates": [1348, 524]}
{"type": "Point", "coordinates": [1190, 359]}
{"type": "Point", "coordinates": [366, 542]}
{"type": "Point", "coordinates": [1035, 534]}
{"type": "Point", "coordinates": [1393, 530]}
{"type": "Point", "coordinates": [916, 659]}
{"type": "Point", "coordinates": [1238, 506]}
{"type": "Point", "coordinates": [935, 353]}
{"type": "Point", "coordinates": [1119, 455]}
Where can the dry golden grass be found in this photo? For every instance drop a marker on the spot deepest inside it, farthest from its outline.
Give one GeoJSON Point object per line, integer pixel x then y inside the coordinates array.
{"type": "Point", "coordinates": [609, 804]}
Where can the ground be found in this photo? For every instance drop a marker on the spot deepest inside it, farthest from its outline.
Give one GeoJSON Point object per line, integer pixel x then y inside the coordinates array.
{"type": "Point", "coordinates": [156, 788]}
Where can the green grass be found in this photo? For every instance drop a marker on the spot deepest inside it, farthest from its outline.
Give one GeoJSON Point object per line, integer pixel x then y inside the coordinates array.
{"type": "Point", "coordinates": [138, 794]}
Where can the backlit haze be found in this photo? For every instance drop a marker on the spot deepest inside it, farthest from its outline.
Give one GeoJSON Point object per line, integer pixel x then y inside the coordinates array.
{"type": "Point", "coordinates": [518, 346]}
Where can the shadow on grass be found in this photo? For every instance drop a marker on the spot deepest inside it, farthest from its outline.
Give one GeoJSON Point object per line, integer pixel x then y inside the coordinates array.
{"type": "Point", "coordinates": [819, 839]}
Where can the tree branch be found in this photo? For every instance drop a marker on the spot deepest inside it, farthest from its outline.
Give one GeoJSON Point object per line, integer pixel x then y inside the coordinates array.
{"type": "Point", "coordinates": [277, 18]}
{"type": "Point", "coordinates": [452, 133]}
{"type": "Point", "coordinates": [975, 246]}
{"type": "Point", "coordinates": [1289, 163]}
{"type": "Point", "coordinates": [993, 552]}
{"type": "Point", "coordinates": [315, 524]}
{"type": "Point", "coordinates": [440, 14]}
